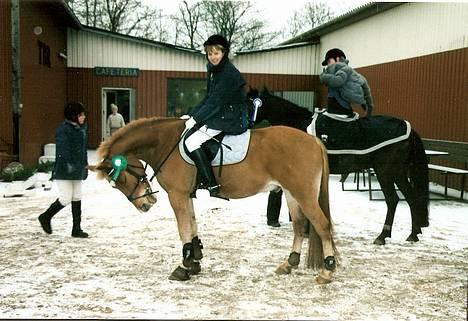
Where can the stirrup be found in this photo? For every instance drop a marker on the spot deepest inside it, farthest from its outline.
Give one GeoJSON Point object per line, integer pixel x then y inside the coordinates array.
{"type": "Point", "coordinates": [214, 192]}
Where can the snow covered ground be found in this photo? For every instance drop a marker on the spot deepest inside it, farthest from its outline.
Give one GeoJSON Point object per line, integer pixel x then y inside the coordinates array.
{"type": "Point", "coordinates": [122, 270]}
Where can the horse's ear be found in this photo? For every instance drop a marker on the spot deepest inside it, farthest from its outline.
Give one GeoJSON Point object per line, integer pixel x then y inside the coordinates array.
{"type": "Point", "coordinates": [265, 90]}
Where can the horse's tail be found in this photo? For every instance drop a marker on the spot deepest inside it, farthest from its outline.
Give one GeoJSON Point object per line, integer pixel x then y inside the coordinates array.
{"type": "Point", "coordinates": [315, 252]}
{"type": "Point", "coordinates": [419, 177]}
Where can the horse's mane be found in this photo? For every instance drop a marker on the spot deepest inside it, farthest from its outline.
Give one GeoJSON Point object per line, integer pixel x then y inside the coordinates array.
{"type": "Point", "coordinates": [291, 107]}
{"type": "Point", "coordinates": [104, 148]}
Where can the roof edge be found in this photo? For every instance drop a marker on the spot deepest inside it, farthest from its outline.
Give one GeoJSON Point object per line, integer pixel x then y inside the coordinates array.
{"type": "Point", "coordinates": [353, 16]}
{"type": "Point", "coordinates": [279, 47]}
{"type": "Point", "coordinates": [139, 39]}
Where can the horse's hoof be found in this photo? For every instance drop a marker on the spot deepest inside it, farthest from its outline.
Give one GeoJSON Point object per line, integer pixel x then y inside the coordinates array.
{"type": "Point", "coordinates": [180, 274]}
{"type": "Point", "coordinates": [379, 241]}
{"type": "Point", "coordinates": [283, 268]}
{"type": "Point", "coordinates": [413, 238]}
{"type": "Point", "coordinates": [324, 277]}
{"type": "Point", "coordinates": [195, 268]}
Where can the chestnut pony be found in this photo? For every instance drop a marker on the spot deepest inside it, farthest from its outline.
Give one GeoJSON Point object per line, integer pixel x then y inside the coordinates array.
{"type": "Point", "coordinates": [277, 157]}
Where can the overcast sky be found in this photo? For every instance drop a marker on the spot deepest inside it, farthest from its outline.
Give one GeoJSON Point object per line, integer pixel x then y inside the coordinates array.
{"type": "Point", "coordinates": [275, 12]}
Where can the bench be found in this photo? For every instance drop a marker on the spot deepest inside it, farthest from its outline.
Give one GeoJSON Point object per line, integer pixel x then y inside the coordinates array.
{"type": "Point", "coordinates": [457, 154]}
{"type": "Point", "coordinates": [446, 171]}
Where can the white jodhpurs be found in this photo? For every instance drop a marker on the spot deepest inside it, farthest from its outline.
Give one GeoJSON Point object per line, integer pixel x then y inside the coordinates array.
{"type": "Point", "coordinates": [69, 191]}
{"type": "Point", "coordinates": [195, 140]}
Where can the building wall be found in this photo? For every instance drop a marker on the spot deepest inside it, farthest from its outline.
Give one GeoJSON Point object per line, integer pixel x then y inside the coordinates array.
{"type": "Point", "coordinates": [409, 30]}
{"type": "Point", "coordinates": [292, 61]}
{"type": "Point", "coordinates": [43, 89]}
{"type": "Point", "coordinates": [89, 49]}
{"type": "Point", "coordinates": [429, 91]}
{"type": "Point", "coordinates": [150, 90]}
{"type": "Point", "coordinates": [6, 129]}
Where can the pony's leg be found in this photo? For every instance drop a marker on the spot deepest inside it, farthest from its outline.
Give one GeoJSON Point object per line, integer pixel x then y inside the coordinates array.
{"type": "Point", "coordinates": [191, 245]}
{"type": "Point", "coordinates": [405, 187]}
{"type": "Point", "coordinates": [298, 221]}
{"type": "Point", "coordinates": [391, 199]}
{"type": "Point", "coordinates": [322, 226]}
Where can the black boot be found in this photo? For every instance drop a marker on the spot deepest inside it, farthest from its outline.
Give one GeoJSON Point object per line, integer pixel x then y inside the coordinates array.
{"type": "Point", "coordinates": [206, 171]}
{"type": "Point", "coordinates": [45, 217]}
{"type": "Point", "coordinates": [76, 213]}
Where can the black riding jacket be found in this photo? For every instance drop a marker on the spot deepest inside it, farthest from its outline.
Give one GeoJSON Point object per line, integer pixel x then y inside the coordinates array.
{"type": "Point", "coordinates": [224, 106]}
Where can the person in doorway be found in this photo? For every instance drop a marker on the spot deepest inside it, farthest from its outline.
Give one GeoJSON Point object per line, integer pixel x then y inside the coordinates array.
{"type": "Point", "coordinates": [70, 169]}
{"type": "Point", "coordinates": [223, 109]}
{"type": "Point", "coordinates": [115, 120]}
{"type": "Point", "coordinates": [345, 85]}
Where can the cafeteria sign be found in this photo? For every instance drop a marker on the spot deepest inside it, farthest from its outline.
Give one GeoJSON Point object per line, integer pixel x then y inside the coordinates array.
{"type": "Point", "coordinates": [116, 72]}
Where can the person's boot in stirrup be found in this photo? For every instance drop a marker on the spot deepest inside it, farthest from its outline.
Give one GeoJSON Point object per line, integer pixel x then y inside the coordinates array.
{"type": "Point", "coordinates": [76, 213]}
{"type": "Point", "coordinates": [45, 217]}
{"type": "Point", "coordinates": [206, 171]}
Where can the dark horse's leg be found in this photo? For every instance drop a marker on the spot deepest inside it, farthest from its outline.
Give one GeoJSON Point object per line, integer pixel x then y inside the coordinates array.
{"type": "Point", "coordinates": [405, 187]}
{"type": "Point", "coordinates": [391, 198]}
{"type": "Point", "coordinates": [274, 207]}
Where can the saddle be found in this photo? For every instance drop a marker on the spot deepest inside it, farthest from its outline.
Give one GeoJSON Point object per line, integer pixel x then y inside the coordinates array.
{"type": "Point", "coordinates": [353, 135]}
{"type": "Point", "coordinates": [222, 149]}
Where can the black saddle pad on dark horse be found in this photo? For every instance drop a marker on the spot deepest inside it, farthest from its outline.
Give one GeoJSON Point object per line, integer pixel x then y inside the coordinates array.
{"type": "Point", "coordinates": [346, 135]}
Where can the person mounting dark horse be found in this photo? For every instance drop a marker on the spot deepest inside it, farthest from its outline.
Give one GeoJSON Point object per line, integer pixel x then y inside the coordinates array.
{"type": "Point", "coordinates": [385, 144]}
{"type": "Point", "coordinates": [345, 85]}
{"type": "Point", "coordinates": [223, 109]}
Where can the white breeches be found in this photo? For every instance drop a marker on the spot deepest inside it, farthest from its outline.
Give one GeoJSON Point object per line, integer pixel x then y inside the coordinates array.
{"type": "Point", "coordinates": [69, 191]}
{"type": "Point", "coordinates": [195, 140]}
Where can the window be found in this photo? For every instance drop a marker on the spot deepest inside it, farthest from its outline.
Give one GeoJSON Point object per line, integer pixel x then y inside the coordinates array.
{"type": "Point", "coordinates": [183, 94]}
{"type": "Point", "coordinates": [44, 54]}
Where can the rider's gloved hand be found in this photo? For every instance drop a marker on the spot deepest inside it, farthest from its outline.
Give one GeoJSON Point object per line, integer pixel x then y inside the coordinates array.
{"type": "Point", "coordinates": [189, 123]}
{"type": "Point", "coordinates": [184, 117]}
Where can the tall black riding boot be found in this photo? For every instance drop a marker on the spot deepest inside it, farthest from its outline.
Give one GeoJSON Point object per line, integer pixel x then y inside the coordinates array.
{"type": "Point", "coordinates": [76, 213]}
{"type": "Point", "coordinates": [206, 171]}
{"type": "Point", "coordinates": [45, 217]}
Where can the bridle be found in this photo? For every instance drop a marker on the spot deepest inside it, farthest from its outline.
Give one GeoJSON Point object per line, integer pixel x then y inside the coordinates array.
{"type": "Point", "coordinates": [140, 179]}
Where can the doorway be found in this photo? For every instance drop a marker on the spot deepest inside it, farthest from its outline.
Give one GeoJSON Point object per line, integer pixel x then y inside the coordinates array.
{"type": "Point", "coordinates": [124, 98]}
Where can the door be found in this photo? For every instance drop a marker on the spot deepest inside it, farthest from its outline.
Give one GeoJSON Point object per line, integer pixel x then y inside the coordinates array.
{"type": "Point", "coordinates": [124, 98]}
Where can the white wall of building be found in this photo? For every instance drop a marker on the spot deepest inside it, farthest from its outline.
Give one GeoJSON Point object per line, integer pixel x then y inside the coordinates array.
{"type": "Point", "coordinates": [291, 61]}
{"type": "Point", "coordinates": [88, 49]}
{"type": "Point", "coordinates": [410, 30]}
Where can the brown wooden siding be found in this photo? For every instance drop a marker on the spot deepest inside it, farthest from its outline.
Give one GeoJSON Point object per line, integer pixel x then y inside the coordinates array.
{"type": "Point", "coordinates": [282, 82]}
{"type": "Point", "coordinates": [431, 92]}
{"type": "Point", "coordinates": [43, 89]}
{"type": "Point", "coordinates": [6, 128]}
{"type": "Point", "coordinates": [150, 90]}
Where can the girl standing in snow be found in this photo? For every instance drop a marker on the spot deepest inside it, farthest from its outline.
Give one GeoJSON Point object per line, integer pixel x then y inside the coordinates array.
{"type": "Point", "coordinates": [70, 167]}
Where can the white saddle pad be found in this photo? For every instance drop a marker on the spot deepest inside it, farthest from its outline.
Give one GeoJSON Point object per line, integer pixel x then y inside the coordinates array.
{"type": "Point", "coordinates": [238, 143]}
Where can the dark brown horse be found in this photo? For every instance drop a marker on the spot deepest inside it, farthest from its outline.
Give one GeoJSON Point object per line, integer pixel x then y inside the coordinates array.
{"type": "Point", "coordinates": [277, 157]}
{"type": "Point", "coordinates": [403, 163]}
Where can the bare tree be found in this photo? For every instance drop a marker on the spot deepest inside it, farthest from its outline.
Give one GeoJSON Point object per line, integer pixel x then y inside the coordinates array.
{"type": "Point", "coordinates": [123, 16]}
{"type": "Point", "coordinates": [238, 22]}
{"type": "Point", "coordinates": [309, 17]}
{"type": "Point", "coordinates": [190, 17]}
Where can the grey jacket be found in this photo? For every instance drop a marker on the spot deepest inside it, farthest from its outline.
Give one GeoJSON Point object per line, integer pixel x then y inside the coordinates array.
{"type": "Point", "coordinates": [351, 85]}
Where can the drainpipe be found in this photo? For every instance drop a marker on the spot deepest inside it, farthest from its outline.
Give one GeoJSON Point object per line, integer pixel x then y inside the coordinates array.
{"type": "Point", "coordinates": [16, 74]}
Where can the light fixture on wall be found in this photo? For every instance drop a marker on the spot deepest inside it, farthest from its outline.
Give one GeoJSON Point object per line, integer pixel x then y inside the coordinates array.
{"type": "Point", "coordinates": [37, 30]}
{"type": "Point", "coordinates": [63, 54]}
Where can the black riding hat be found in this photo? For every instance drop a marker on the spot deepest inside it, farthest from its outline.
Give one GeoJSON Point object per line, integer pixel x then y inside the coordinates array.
{"type": "Point", "coordinates": [217, 40]}
{"type": "Point", "coordinates": [72, 110]}
{"type": "Point", "coordinates": [333, 53]}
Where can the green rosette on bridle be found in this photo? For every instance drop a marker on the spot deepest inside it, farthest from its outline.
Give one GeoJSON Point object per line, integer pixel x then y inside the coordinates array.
{"type": "Point", "coordinates": [119, 164]}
